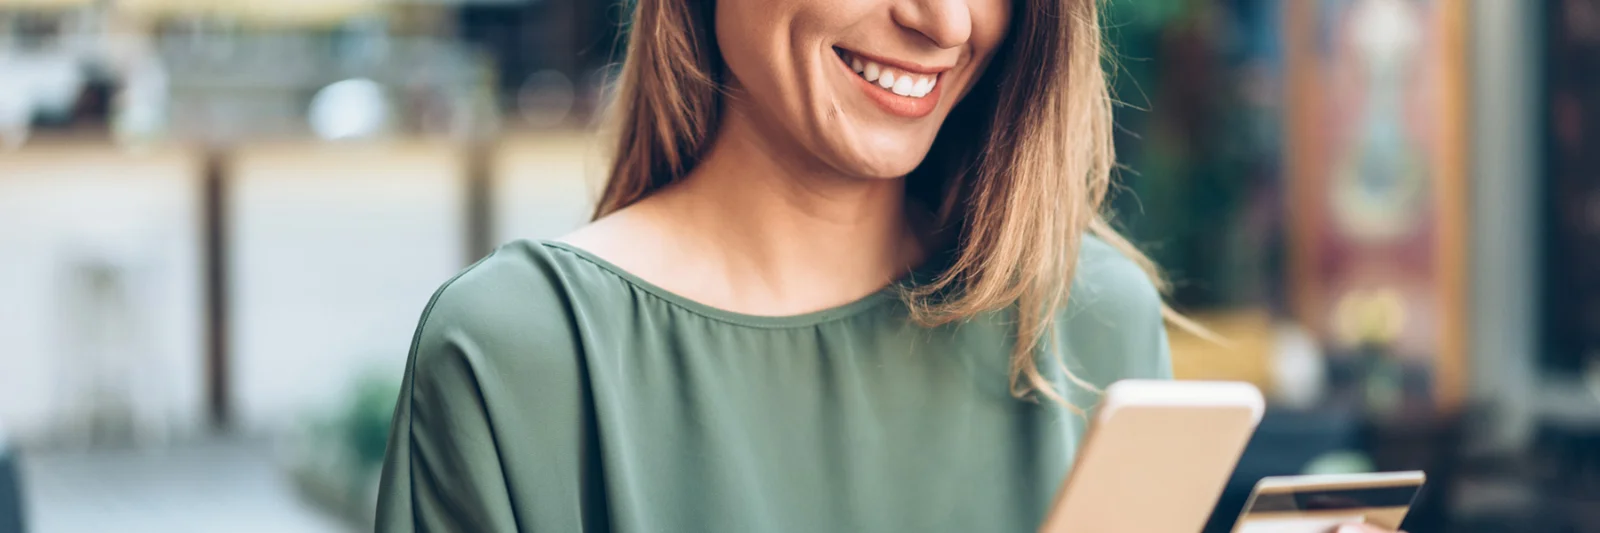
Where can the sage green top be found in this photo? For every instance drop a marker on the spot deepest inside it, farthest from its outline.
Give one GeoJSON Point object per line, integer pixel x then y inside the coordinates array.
{"type": "Point", "coordinates": [550, 391]}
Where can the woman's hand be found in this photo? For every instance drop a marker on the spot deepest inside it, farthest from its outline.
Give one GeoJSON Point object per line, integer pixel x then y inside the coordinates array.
{"type": "Point", "coordinates": [1362, 528]}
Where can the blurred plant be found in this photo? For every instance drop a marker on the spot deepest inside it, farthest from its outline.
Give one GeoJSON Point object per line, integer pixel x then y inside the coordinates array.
{"type": "Point", "coordinates": [1371, 322]}
{"type": "Point", "coordinates": [366, 423]}
{"type": "Point", "coordinates": [336, 459]}
{"type": "Point", "coordinates": [1196, 140]}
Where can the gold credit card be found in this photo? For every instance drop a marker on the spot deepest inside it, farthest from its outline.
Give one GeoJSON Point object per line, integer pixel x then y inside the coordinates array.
{"type": "Point", "coordinates": [1316, 504]}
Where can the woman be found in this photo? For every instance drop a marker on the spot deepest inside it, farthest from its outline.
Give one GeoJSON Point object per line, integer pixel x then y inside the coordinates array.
{"type": "Point", "coordinates": [826, 288]}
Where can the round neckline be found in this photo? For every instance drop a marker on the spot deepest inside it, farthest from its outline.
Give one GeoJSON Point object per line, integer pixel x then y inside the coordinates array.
{"type": "Point", "coordinates": [890, 292]}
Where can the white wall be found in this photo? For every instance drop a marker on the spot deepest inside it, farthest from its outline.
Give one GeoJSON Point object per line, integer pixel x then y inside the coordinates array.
{"type": "Point", "coordinates": [70, 216]}
{"type": "Point", "coordinates": [544, 185]}
{"type": "Point", "coordinates": [334, 251]}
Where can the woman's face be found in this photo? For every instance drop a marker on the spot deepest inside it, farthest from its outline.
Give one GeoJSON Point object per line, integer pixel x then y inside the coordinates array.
{"type": "Point", "coordinates": [861, 85]}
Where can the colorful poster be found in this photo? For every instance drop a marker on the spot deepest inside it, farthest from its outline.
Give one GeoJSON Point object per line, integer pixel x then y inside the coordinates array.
{"type": "Point", "coordinates": [1376, 94]}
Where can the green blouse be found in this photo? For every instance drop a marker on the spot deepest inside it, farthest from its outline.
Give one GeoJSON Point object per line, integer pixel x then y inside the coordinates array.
{"type": "Point", "coordinates": [550, 391]}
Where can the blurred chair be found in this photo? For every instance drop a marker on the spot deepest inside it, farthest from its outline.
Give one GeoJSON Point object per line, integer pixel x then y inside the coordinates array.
{"type": "Point", "coordinates": [1565, 459]}
{"type": "Point", "coordinates": [101, 262]}
{"type": "Point", "coordinates": [1431, 442]}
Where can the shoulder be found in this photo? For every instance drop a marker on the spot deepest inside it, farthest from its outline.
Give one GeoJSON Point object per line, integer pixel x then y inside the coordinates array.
{"type": "Point", "coordinates": [516, 283]}
{"type": "Point", "coordinates": [493, 389]}
{"type": "Point", "coordinates": [509, 310]}
{"type": "Point", "coordinates": [1111, 286]}
{"type": "Point", "coordinates": [1112, 326]}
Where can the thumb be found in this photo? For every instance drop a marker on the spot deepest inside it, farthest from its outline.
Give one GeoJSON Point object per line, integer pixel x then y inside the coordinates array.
{"type": "Point", "coordinates": [1361, 528]}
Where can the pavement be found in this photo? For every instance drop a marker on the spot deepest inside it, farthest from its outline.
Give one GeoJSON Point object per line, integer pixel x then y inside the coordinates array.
{"type": "Point", "coordinates": [232, 487]}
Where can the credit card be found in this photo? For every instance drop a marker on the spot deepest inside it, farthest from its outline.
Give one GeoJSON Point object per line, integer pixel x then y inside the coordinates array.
{"type": "Point", "coordinates": [1316, 504]}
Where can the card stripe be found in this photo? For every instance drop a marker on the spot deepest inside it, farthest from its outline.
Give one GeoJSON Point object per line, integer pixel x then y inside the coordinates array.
{"type": "Point", "coordinates": [1333, 500]}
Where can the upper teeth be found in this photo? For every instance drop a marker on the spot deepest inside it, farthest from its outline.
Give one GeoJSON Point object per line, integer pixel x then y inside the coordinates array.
{"type": "Point", "coordinates": [897, 81]}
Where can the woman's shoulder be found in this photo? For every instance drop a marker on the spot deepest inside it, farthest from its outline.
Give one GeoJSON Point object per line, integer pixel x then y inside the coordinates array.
{"type": "Point", "coordinates": [521, 276]}
{"type": "Point", "coordinates": [1112, 325]}
{"type": "Point", "coordinates": [517, 300]}
{"type": "Point", "coordinates": [1109, 283]}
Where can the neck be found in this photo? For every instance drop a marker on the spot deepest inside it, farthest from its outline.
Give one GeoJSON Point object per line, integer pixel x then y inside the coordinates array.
{"type": "Point", "coordinates": [786, 234]}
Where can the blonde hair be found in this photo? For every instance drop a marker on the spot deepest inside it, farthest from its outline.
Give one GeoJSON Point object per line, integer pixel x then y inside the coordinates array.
{"type": "Point", "coordinates": [1018, 174]}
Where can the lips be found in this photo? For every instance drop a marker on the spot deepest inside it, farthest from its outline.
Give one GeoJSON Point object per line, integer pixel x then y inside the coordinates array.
{"type": "Point", "coordinates": [898, 88]}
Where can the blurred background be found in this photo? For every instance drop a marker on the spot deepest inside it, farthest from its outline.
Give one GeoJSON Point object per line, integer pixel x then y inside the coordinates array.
{"type": "Point", "coordinates": [1390, 207]}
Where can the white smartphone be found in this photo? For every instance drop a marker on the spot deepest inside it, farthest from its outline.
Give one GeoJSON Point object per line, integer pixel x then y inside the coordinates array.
{"type": "Point", "coordinates": [1157, 457]}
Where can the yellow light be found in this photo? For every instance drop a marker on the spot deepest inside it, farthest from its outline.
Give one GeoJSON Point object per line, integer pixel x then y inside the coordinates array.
{"type": "Point", "coordinates": [1376, 316]}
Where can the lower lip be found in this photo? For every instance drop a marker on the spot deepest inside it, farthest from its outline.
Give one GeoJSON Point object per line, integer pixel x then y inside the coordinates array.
{"type": "Point", "coordinates": [894, 104]}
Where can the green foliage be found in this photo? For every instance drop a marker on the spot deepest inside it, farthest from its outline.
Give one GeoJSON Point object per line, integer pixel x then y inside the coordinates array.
{"type": "Point", "coordinates": [1146, 14]}
{"type": "Point", "coordinates": [1191, 170]}
{"type": "Point", "coordinates": [365, 423]}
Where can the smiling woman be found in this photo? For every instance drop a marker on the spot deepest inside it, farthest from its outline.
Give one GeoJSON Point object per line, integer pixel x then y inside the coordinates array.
{"type": "Point", "coordinates": [1019, 177]}
{"type": "Point", "coordinates": [849, 273]}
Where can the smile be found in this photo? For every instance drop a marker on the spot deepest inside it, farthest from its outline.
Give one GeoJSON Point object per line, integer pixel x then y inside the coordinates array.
{"type": "Point", "coordinates": [888, 78]}
{"type": "Point", "coordinates": [900, 88]}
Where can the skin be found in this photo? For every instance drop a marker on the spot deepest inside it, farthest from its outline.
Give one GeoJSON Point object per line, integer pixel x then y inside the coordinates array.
{"type": "Point", "coordinates": [799, 204]}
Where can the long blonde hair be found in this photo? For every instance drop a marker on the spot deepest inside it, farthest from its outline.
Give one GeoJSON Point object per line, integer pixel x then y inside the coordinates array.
{"type": "Point", "coordinates": [1019, 171]}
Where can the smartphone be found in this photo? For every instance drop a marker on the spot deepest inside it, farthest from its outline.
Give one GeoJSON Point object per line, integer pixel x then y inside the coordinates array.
{"type": "Point", "coordinates": [1157, 457]}
{"type": "Point", "coordinates": [1311, 504]}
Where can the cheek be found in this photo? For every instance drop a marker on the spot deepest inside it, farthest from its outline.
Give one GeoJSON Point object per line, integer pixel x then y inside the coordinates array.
{"type": "Point", "coordinates": [748, 34]}
{"type": "Point", "coordinates": [768, 47]}
{"type": "Point", "coordinates": [991, 19]}
{"type": "Point", "coordinates": [739, 28]}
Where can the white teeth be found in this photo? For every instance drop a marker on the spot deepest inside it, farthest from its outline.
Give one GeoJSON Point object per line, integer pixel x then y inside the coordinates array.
{"type": "Point", "coordinates": [901, 83]}
{"type": "Point", "coordinates": [903, 86]}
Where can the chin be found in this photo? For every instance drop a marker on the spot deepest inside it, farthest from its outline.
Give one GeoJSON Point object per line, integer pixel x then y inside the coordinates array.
{"type": "Point", "coordinates": [884, 160]}
{"type": "Point", "coordinates": [885, 168]}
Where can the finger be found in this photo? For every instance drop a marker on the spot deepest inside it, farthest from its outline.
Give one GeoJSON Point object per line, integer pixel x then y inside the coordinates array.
{"type": "Point", "coordinates": [1362, 528]}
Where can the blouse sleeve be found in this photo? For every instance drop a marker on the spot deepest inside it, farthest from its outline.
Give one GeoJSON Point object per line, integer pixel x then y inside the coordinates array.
{"type": "Point", "coordinates": [489, 433]}
{"type": "Point", "coordinates": [442, 471]}
{"type": "Point", "coordinates": [1112, 327]}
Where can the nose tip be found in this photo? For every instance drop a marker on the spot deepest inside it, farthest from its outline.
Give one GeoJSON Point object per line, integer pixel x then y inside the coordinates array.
{"type": "Point", "coordinates": [947, 23]}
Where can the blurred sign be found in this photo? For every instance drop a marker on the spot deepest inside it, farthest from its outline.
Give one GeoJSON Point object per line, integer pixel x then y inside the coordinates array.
{"type": "Point", "coordinates": [1377, 101]}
